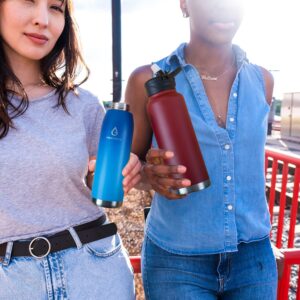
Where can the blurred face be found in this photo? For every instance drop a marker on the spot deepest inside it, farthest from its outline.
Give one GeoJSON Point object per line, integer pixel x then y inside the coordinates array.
{"type": "Point", "coordinates": [213, 21]}
{"type": "Point", "coordinates": [31, 28]}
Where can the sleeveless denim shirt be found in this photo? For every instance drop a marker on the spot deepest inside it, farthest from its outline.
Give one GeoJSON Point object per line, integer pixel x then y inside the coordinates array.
{"type": "Point", "coordinates": [234, 208]}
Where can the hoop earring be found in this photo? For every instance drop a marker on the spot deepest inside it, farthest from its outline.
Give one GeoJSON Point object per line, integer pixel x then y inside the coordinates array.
{"type": "Point", "coordinates": [185, 14]}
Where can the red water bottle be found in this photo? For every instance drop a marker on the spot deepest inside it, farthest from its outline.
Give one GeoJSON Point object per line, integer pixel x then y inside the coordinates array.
{"type": "Point", "coordinates": [173, 128]}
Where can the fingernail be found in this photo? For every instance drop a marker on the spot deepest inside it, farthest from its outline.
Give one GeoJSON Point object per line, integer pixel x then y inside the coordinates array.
{"type": "Point", "coordinates": [181, 169]}
{"type": "Point", "coordinates": [186, 182]}
{"type": "Point", "coordinates": [169, 153]}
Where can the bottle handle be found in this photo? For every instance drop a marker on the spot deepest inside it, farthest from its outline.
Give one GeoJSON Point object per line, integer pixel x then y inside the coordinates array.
{"type": "Point", "coordinates": [158, 72]}
{"type": "Point", "coordinates": [175, 72]}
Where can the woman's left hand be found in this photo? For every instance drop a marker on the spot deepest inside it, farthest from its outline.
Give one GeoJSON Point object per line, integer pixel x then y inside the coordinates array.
{"type": "Point", "coordinates": [91, 170]}
{"type": "Point", "coordinates": [131, 173]}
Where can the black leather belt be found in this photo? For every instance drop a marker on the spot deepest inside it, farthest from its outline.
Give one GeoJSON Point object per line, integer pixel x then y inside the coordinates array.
{"type": "Point", "coordinates": [41, 246]}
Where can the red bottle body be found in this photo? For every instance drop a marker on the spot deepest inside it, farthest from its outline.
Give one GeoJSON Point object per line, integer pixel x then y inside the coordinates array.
{"type": "Point", "coordinates": [174, 131]}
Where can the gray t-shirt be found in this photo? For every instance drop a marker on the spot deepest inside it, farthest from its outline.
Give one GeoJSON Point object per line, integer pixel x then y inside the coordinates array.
{"type": "Point", "coordinates": [43, 164]}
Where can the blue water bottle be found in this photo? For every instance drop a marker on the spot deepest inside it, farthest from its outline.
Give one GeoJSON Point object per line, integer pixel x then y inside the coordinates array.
{"type": "Point", "coordinates": [113, 154]}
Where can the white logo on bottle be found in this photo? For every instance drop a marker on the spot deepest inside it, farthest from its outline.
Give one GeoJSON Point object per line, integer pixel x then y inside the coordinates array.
{"type": "Point", "coordinates": [115, 132]}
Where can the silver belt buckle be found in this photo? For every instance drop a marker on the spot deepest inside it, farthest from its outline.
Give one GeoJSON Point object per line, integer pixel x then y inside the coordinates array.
{"type": "Point", "coordinates": [36, 240]}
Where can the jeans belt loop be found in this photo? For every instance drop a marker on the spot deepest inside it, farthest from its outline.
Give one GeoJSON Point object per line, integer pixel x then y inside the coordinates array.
{"type": "Point", "coordinates": [75, 238]}
{"type": "Point", "coordinates": [8, 252]}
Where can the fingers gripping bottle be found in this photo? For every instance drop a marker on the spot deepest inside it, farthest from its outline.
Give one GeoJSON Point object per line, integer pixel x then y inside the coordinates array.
{"type": "Point", "coordinates": [113, 154]}
{"type": "Point", "coordinates": [173, 128]}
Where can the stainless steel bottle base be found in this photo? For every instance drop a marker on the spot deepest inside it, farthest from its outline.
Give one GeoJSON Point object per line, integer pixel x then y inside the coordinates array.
{"type": "Point", "coordinates": [193, 188]}
{"type": "Point", "coordinates": [107, 204]}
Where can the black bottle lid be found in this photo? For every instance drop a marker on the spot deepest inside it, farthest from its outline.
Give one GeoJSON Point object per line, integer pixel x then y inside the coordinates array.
{"type": "Point", "coordinates": [161, 82]}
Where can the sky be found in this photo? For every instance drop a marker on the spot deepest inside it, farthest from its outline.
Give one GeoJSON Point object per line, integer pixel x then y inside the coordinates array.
{"type": "Point", "coordinates": [152, 29]}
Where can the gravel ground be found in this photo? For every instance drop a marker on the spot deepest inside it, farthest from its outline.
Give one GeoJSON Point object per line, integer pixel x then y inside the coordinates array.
{"type": "Point", "coordinates": [130, 221]}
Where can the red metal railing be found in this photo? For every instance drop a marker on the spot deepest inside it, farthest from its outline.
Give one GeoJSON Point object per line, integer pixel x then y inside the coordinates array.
{"type": "Point", "coordinates": [283, 177]}
{"type": "Point", "coordinates": [136, 263]}
{"type": "Point", "coordinates": [291, 257]}
{"type": "Point", "coordinates": [283, 181]}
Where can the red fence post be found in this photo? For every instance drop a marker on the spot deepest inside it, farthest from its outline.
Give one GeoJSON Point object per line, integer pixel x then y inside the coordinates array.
{"type": "Point", "coordinates": [273, 186]}
{"type": "Point", "coordinates": [291, 257]}
{"type": "Point", "coordinates": [136, 263]}
{"type": "Point", "coordinates": [294, 209]}
{"type": "Point", "coordinates": [282, 205]}
{"type": "Point", "coordinates": [286, 160]}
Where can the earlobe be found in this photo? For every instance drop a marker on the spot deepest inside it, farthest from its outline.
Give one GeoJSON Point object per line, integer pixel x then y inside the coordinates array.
{"type": "Point", "coordinates": [184, 9]}
{"type": "Point", "coordinates": [185, 14]}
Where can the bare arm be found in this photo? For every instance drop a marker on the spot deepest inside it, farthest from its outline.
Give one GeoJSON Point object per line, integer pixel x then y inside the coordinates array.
{"type": "Point", "coordinates": [155, 174]}
{"type": "Point", "coordinates": [136, 97]}
{"type": "Point", "coordinates": [269, 84]}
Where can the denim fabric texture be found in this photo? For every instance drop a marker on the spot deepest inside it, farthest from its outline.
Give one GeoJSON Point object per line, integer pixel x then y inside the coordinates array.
{"type": "Point", "coordinates": [249, 274]}
{"type": "Point", "coordinates": [98, 270]}
{"type": "Point", "coordinates": [234, 208]}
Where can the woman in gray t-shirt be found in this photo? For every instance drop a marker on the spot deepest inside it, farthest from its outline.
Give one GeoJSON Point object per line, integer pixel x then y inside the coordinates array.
{"type": "Point", "coordinates": [54, 242]}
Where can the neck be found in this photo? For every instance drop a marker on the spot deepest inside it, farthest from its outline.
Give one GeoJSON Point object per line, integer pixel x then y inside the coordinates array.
{"type": "Point", "coordinates": [209, 58]}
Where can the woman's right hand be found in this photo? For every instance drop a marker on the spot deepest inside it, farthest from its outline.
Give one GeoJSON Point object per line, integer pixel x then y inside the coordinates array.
{"type": "Point", "coordinates": [162, 177]}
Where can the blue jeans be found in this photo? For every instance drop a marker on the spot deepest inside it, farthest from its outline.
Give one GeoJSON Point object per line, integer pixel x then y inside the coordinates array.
{"type": "Point", "coordinates": [98, 270]}
{"type": "Point", "coordinates": [249, 274]}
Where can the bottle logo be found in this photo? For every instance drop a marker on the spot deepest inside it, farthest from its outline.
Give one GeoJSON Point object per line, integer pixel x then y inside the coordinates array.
{"type": "Point", "coordinates": [115, 132]}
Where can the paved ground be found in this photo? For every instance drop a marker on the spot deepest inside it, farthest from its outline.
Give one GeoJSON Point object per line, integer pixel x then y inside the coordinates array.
{"type": "Point", "coordinates": [275, 141]}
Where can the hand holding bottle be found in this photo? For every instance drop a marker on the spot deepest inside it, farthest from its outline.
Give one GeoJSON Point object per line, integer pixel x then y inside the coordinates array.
{"type": "Point", "coordinates": [112, 156]}
{"type": "Point", "coordinates": [163, 178]}
{"type": "Point", "coordinates": [131, 172]}
{"type": "Point", "coordinates": [173, 129]}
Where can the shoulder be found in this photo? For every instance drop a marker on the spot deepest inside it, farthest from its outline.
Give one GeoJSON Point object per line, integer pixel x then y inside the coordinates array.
{"type": "Point", "coordinates": [86, 97]}
{"type": "Point", "coordinates": [141, 74]}
{"type": "Point", "coordinates": [263, 75]}
{"type": "Point", "coordinates": [269, 84]}
{"type": "Point", "coordinates": [265, 78]}
{"type": "Point", "coordinates": [268, 77]}
{"type": "Point", "coordinates": [85, 101]}
{"type": "Point", "coordinates": [135, 91]}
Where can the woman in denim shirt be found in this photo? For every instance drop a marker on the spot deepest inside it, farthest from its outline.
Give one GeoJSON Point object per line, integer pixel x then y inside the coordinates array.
{"type": "Point", "coordinates": [214, 243]}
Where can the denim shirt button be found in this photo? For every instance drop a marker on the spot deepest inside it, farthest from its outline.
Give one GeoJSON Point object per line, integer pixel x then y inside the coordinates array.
{"type": "Point", "coordinates": [231, 120]}
{"type": "Point", "coordinates": [234, 95]}
{"type": "Point", "coordinates": [230, 207]}
{"type": "Point", "coordinates": [227, 147]}
{"type": "Point", "coordinates": [228, 178]}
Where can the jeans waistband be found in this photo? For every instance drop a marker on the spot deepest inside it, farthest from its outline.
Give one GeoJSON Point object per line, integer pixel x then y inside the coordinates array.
{"type": "Point", "coordinates": [41, 246]}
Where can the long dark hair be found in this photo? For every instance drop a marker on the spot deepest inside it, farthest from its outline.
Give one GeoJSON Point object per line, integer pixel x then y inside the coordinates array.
{"type": "Point", "coordinates": [59, 69]}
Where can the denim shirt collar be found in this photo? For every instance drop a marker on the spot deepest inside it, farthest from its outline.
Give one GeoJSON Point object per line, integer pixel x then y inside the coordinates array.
{"type": "Point", "coordinates": [177, 56]}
